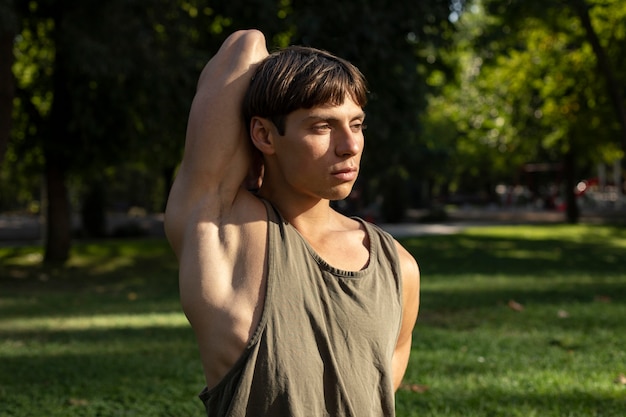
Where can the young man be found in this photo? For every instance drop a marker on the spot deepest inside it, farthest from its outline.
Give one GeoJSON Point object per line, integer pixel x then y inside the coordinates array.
{"type": "Point", "coordinates": [297, 309]}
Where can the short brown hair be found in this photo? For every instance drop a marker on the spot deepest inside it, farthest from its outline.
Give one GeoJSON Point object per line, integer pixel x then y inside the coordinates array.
{"type": "Point", "coordinates": [299, 77]}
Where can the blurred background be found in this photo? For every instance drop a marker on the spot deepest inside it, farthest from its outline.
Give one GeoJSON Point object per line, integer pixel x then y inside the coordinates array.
{"type": "Point", "coordinates": [504, 106]}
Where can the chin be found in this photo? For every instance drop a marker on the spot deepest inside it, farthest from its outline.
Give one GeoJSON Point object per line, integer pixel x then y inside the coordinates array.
{"type": "Point", "coordinates": [338, 195]}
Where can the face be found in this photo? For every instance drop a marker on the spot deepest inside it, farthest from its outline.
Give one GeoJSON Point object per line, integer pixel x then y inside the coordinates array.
{"type": "Point", "coordinates": [320, 152]}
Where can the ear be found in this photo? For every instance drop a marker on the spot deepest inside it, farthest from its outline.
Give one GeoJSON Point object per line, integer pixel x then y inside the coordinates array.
{"type": "Point", "coordinates": [262, 132]}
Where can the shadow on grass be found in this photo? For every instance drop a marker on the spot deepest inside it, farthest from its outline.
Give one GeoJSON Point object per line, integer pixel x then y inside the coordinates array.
{"type": "Point", "coordinates": [106, 372]}
{"type": "Point", "coordinates": [87, 339]}
{"type": "Point", "coordinates": [100, 278]}
{"type": "Point", "coordinates": [483, 269]}
{"type": "Point", "coordinates": [555, 294]}
{"type": "Point", "coordinates": [92, 258]}
{"type": "Point", "coordinates": [462, 254]}
{"type": "Point", "coordinates": [105, 354]}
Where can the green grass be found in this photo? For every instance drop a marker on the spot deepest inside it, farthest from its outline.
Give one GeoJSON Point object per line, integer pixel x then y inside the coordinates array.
{"type": "Point", "coordinates": [102, 337]}
{"type": "Point", "coordinates": [105, 336]}
{"type": "Point", "coordinates": [477, 353]}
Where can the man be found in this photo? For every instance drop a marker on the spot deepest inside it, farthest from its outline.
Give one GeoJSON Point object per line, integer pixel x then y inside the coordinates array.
{"type": "Point", "coordinates": [297, 309]}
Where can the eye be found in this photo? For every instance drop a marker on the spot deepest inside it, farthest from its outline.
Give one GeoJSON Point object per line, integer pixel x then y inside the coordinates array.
{"type": "Point", "coordinates": [358, 127]}
{"type": "Point", "coordinates": [321, 128]}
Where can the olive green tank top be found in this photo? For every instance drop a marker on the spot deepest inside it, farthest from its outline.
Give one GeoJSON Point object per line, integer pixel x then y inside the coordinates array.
{"type": "Point", "coordinates": [326, 337]}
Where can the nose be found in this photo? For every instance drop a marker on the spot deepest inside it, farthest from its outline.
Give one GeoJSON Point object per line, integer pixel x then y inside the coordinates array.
{"type": "Point", "coordinates": [347, 142]}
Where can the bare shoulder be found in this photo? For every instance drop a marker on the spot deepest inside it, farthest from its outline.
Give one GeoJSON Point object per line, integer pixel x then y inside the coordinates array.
{"type": "Point", "coordinates": [410, 272]}
{"type": "Point", "coordinates": [408, 265]}
{"type": "Point", "coordinates": [206, 233]}
{"type": "Point", "coordinates": [222, 263]}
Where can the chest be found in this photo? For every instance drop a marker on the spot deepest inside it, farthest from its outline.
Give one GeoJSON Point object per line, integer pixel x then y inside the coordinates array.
{"type": "Point", "coordinates": [330, 328]}
{"type": "Point", "coordinates": [349, 298]}
{"type": "Point", "coordinates": [345, 251]}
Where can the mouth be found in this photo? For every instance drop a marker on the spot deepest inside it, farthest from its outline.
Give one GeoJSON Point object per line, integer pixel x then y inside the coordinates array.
{"type": "Point", "coordinates": [345, 174]}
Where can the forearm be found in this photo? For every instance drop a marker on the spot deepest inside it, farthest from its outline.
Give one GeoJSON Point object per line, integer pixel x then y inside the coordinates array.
{"type": "Point", "coordinates": [400, 363]}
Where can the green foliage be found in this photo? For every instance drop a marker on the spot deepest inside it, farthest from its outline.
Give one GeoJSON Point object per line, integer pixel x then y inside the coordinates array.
{"type": "Point", "coordinates": [132, 68]}
{"type": "Point", "coordinates": [462, 92]}
{"type": "Point", "coordinates": [528, 89]}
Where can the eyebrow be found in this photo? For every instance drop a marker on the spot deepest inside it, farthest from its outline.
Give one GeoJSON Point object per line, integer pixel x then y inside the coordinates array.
{"type": "Point", "coordinates": [322, 116]}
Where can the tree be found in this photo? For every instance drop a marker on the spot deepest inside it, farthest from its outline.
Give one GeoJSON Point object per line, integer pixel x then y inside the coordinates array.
{"type": "Point", "coordinates": [530, 91]}
{"type": "Point", "coordinates": [91, 86]}
{"type": "Point", "coordinates": [8, 30]}
{"type": "Point", "coordinates": [599, 24]}
{"type": "Point", "coordinates": [583, 86]}
{"type": "Point", "coordinates": [103, 88]}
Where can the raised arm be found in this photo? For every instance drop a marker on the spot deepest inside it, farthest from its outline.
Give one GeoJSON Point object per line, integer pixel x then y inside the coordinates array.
{"type": "Point", "coordinates": [217, 154]}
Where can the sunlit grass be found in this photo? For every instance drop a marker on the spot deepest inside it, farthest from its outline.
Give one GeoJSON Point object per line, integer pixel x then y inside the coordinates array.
{"type": "Point", "coordinates": [100, 322]}
{"type": "Point", "coordinates": [520, 321]}
{"type": "Point", "coordinates": [582, 233]}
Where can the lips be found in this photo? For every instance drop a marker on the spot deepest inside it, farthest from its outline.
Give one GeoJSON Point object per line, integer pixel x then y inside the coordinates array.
{"type": "Point", "coordinates": [346, 174]}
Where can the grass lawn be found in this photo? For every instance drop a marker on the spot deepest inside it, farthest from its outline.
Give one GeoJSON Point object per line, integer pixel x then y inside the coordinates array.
{"type": "Point", "coordinates": [520, 321]}
{"type": "Point", "coordinates": [515, 321]}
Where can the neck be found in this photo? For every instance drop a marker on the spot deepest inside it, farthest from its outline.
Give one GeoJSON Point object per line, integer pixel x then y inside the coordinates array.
{"type": "Point", "coordinates": [307, 214]}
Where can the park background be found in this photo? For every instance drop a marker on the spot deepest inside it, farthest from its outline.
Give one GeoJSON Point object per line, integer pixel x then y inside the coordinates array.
{"type": "Point", "coordinates": [501, 123]}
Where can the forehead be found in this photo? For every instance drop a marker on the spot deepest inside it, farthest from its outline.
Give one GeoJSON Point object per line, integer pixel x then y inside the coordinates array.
{"type": "Point", "coordinates": [348, 110]}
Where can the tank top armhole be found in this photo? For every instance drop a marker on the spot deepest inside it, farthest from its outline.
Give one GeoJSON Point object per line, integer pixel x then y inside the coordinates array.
{"type": "Point", "coordinates": [272, 223]}
{"type": "Point", "coordinates": [207, 393]}
{"type": "Point", "coordinates": [387, 243]}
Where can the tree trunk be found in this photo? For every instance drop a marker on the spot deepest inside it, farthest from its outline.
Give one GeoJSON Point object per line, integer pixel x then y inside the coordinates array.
{"type": "Point", "coordinates": [57, 154]}
{"type": "Point", "coordinates": [7, 89]}
{"type": "Point", "coordinates": [572, 212]}
{"type": "Point", "coordinates": [58, 224]}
